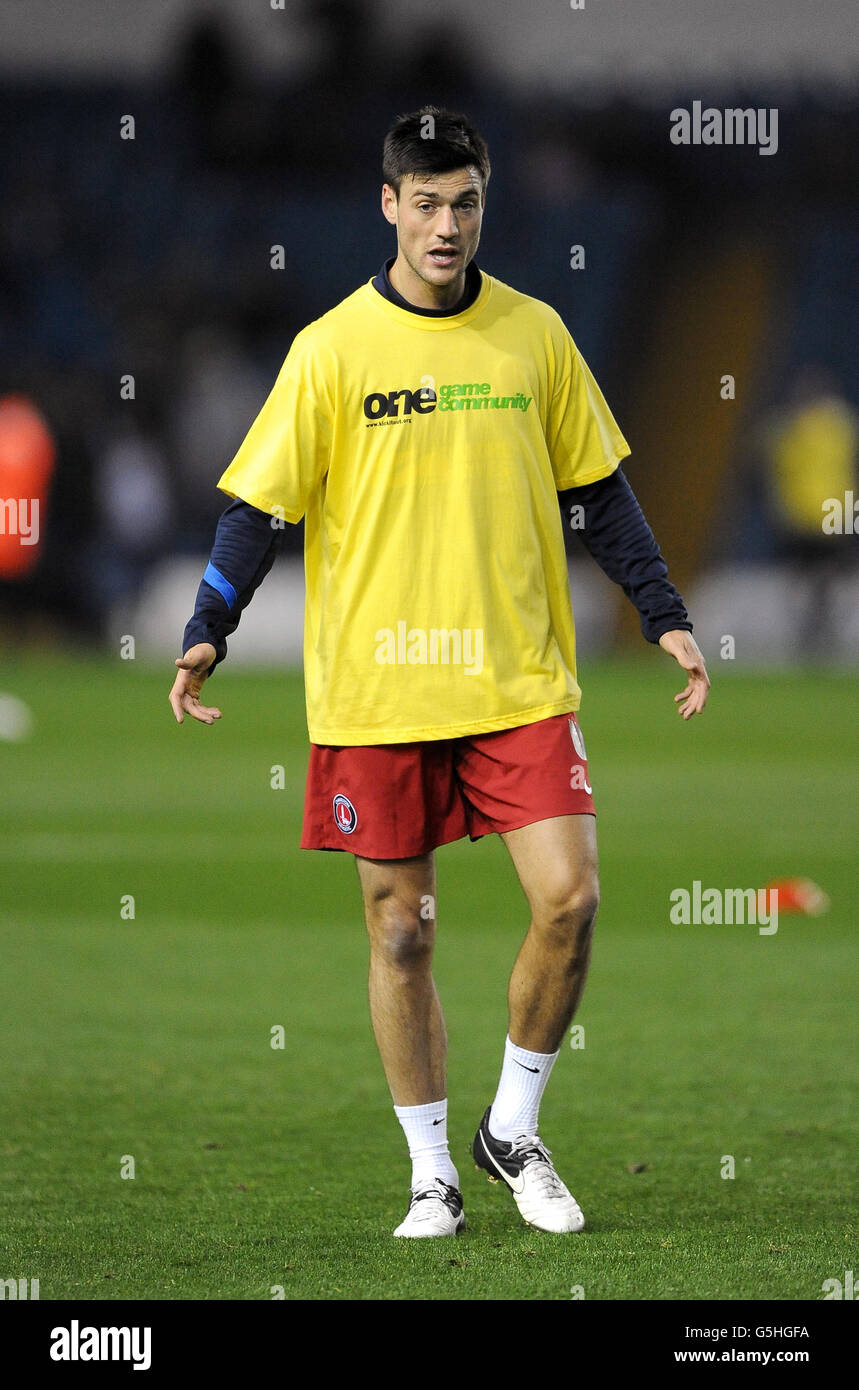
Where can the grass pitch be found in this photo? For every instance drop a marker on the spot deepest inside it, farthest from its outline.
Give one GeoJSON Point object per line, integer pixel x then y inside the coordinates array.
{"type": "Point", "coordinates": [260, 1168]}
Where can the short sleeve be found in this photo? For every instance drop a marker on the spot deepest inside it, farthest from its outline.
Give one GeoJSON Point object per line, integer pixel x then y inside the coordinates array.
{"type": "Point", "coordinates": [286, 452]}
{"type": "Point", "coordinates": [582, 435]}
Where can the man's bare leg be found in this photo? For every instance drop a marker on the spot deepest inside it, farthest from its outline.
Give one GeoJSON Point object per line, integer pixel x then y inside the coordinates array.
{"type": "Point", "coordinates": [556, 861]}
{"type": "Point", "coordinates": [399, 909]}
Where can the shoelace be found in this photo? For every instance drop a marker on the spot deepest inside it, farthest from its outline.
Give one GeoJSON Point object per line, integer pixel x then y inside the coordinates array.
{"type": "Point", "coordinates": [534, 1153]}
{"type": "Point", "coordinates": [434, 1187]}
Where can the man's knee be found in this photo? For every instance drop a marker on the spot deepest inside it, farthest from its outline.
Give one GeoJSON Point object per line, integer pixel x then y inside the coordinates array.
{"type": "Point", "coordinates": [567, 908]}
{"type": "Point", "coordinates": [400, 931]}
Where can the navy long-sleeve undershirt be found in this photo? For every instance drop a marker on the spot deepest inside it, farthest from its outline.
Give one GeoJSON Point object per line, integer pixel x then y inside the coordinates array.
{"type": "Point", "coordinates": [615, 532]}
{"type": "Point", "coordinates": [246, 543]}
{"type": "Point", "coordinates": [618, 537]}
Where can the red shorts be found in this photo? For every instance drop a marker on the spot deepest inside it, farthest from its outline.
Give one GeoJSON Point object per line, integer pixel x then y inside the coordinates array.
{"type": "Point", "coordinates": [398, 800]}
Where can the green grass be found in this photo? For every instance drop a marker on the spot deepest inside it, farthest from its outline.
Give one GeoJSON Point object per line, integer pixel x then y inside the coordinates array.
{"type": "Point", "coordinates": [258, 1167]}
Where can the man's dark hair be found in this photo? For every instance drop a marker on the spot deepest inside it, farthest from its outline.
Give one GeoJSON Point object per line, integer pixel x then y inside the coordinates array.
{"type": "Point", "coordinates": [432, 141]}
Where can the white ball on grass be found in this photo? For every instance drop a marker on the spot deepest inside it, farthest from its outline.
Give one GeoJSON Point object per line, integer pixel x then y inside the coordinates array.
{"type": "Point", "coordinates": [16, 719]}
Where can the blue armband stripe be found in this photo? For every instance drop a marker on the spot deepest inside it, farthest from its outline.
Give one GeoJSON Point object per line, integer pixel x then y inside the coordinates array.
{"type": "Point", "coordinates": [214, 577]}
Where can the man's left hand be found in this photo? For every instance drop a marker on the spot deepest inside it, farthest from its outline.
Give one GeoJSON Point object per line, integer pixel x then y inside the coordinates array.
{"type": "Point", "coordinates": [686, 652]}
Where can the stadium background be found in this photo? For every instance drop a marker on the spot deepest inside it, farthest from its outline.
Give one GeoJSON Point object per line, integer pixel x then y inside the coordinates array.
{"type": "Point", "coordinates": [257, 127]}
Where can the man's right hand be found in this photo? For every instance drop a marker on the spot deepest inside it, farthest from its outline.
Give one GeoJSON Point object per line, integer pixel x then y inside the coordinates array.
{"type": "Point", "coordinates": [185, 695]}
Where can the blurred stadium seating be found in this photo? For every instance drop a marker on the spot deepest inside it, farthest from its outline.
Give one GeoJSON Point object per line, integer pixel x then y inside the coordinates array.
{"type": "Point", "coordinates": [151, 257]}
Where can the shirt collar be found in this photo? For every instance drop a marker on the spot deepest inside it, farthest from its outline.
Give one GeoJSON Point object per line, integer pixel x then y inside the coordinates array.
{"type": "Point", "coordinates": [473, 282]}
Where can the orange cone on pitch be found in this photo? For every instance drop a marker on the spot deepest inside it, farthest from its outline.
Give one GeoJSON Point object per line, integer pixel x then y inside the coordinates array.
{"type": "Point", "coordinates": [27, 454]}
{"type": "Point", "coordinates": [799, 895]}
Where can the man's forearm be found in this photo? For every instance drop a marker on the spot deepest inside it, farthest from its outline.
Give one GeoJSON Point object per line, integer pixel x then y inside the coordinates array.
{"type": "Point", "coordinates": [617, 535]}
{"type": "Point", "coordinates": [245, 547]}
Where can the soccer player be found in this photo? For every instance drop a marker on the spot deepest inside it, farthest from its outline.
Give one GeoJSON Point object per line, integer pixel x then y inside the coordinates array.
{"type": "Point", "coordinates": [423, 427]}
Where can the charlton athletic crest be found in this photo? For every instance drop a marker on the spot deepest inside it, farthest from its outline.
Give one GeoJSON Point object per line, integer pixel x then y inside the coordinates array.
{"type": "Point", "coordinates": [578, 741]}
{"type": "Point", "coordinates": [345, 814]}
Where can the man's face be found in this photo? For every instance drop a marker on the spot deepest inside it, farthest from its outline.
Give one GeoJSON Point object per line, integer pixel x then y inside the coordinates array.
{"type": "Point", "coordinates": [438, 219]}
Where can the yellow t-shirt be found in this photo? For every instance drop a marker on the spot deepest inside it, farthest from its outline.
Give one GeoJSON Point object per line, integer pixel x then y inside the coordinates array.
{"type": "Point", "coordinates": [426, 454]}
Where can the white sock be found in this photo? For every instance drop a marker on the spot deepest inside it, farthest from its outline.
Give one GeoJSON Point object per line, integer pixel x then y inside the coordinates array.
{"type": "Point", "coordinates": [516, 1107]}
{"type": "Point", "coordinates": [425, 1128]}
